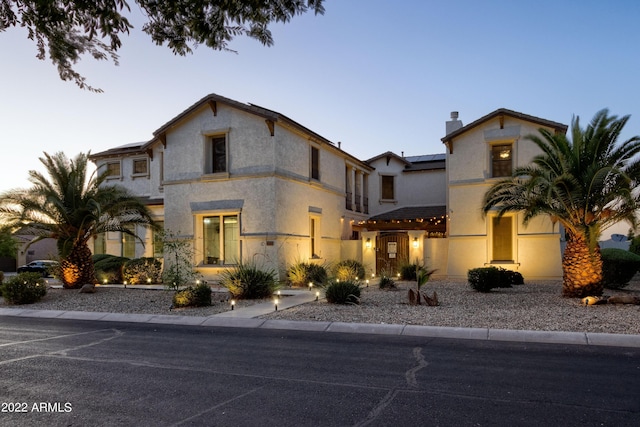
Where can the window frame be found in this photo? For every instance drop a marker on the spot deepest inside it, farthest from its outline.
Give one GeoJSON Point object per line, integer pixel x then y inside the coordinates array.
{"type": "Point", "coordinates": [108, 169]}
{"type": "Point", "coordinates": [208, 166]}
{"type": "Point", "coordinates": [509, 237]}
{"type": "Point", "coordinates": [314, 163]}
{"type": "Point", "coordinates": [314, 237]}
{"type": "Point", "coordinates": [493, 149]}
{"type": "Point", "coordinates": [223, 259]}
{"type": "Point", "coordinates": [146, 166]}
{"type": "Point", "coordinates": [382, 187]}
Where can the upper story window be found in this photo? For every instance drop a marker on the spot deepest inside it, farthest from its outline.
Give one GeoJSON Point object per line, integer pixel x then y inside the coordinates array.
{"type": "Point", "coordinates": [315, 163]}
{"type": "Point", "coordinates": [140, 167]}
{"type": "Point", "coordinates": [113, 169]}
{"type": "Point", "coordinates": [501, 160]}
{"type": "Point", "coordinates": [219, 154]}
{"type": "Point", "coordinates": [387, 187]}
{"type": "Point", "coordinates": [216, 154]}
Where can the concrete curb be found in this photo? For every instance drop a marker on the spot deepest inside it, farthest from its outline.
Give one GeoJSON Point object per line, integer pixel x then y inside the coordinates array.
{"type": "Point", "coordinates": [485, 334]}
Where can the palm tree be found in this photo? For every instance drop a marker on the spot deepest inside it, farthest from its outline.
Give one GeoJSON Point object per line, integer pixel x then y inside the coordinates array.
{"type": "Point", "coordinates": [71, 205]}
{"type": "Point", "coordinates": [586, 184]}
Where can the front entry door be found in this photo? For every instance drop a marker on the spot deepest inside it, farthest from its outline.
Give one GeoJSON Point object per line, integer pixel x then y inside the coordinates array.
{"type": "Point", "coordinates": [392, 249]}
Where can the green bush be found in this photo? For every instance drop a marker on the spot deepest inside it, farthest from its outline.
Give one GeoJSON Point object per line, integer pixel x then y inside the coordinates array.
{"type": "Point", "coordinates": [634, 246]}
{"type": "Point", "coordinates": [343, 292]}
{"type": "Point", "coordinates": [486, 278]}
{"type": "Point", "coordinates": [483, 279]}
{"type": "Point", "coordinates": [349, 269]}
{"type": "Point", "coordinates": [302, 273]}
{"type": "Point", "coordinates": [109, 268]}
{"type": "Point", "coordinates": [25, 288]}
{"type": "Point", "coordinates": [410, 271]}
{"type": "Point", "coordinates": [618, 267]}
{"type": "Point", "coordinates": [387, 282]}
{"type": "Point", "coordinates": [142, 270]}
{"type": "Point", "coordinates": [247, 281]}
{"type": "Point", "coordinates": [193, 296]}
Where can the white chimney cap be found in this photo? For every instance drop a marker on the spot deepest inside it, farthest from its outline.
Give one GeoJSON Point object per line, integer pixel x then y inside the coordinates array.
{"type": "Point", "coordinates": [454, 115]}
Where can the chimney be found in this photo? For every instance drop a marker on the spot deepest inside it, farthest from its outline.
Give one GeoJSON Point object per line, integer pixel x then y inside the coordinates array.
{"type": "Point", "coordinates": [453, 124]}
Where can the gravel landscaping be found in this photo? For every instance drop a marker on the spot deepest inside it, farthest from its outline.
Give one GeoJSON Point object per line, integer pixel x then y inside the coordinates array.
{"type": "Point", "coordinates": [533, 306]}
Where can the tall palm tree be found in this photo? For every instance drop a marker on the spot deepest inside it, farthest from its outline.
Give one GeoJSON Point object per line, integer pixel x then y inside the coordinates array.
{"type": "Point", "coordinates": [586, 184]}
{"type": "Point", "coordinates": [71, 205]}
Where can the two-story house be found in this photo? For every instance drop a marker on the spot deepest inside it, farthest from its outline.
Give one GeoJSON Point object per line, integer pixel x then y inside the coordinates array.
{"type": "Point", "coordinates": [242, 183]}
{"type": "Point", "coordinates": [478, 154]}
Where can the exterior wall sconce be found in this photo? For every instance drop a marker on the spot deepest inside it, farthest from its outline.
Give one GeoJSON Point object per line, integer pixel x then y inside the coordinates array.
{"type": "Point", "coordinates": [368, 243]}
{"type": "Point", "coordinates": [416, 244]}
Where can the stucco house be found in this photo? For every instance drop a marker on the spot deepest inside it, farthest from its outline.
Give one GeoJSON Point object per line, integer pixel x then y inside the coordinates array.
{"type": "Point", "coordinates": [242, 182]}
{"type": "Point", "coordinates": [478, 154]}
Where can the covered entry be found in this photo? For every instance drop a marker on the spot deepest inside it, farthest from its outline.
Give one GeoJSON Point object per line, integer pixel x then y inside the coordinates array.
{"type": "Point", "coordinates": [400, 236]}
{"type": "Point", "coordinates": [392, 249]}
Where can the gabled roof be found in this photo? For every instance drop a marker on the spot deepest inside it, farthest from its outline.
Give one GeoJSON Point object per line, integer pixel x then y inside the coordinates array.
{"type": "Point", "coordinates": [559, 127]}
{"type": "Point", "coordinates": [414, 163]}
{"type": "Point", "coordinates": [389, 155]}
{"type": "Point", "coordinates": [212, 100]}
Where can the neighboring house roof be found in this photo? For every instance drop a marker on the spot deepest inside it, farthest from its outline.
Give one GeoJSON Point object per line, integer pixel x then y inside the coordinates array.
{"type": "Point", "coordinates": [559, 127]}
{"type": "Point", "coordinates": [122, 150]}
{"type": "Point", "coordinates": [431, 218]}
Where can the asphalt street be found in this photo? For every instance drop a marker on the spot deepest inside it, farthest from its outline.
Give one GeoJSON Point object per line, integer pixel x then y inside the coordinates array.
{"type": "Point", "coordinates": [58, 372]}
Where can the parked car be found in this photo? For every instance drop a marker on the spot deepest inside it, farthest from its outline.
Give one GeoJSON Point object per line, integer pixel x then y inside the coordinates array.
{"type": "Point", "coordinates": [42, 266]}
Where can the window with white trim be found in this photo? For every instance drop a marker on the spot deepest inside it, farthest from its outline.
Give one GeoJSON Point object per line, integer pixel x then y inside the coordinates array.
{"type": "Point", "coordinates": [221, 236]}
{"type": "Point", "coordinates": [216, 154]}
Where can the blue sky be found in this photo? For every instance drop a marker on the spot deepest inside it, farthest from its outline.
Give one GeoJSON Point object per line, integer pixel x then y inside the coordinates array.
{"type": "Point", "coordinates": [376, 75]}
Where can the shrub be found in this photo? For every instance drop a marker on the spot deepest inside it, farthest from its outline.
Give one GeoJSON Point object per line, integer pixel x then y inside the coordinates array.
{"type": "Point", "coordinates": [349, 269]}
{"type": "Point", "coordinates": [618, 267]}
{"type": "Point", "coordinates": [486, 278]}
{"type": "Point", "coordinates": [301, 273]}
{"type": "Point", "coordinates": [247, 281]}
{"type": "Point", "coordinates": [109, 268]}
{"type": "Point", "coordinates": [387, 282]}
{"type": "Point", "coordinates": [634, 246]}
{"type": "Point", "coordinates": [410, 271]}
{"type": "Point", "coordinates": [142, 270]}
{"type": "Point", "coordinates": [343, 292]}
{"type": "Point", "coordinates": [193, 296]}
{"type": "Point", "coordinates": [483, 279]}
{"type": "Point", "coordinates": [25, 288]}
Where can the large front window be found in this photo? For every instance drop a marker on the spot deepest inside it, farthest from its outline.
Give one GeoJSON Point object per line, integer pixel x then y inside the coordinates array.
{"type": "Point", "coordinates": [501, 160]}
{"type": "Point", "coordinates": [221, 239]}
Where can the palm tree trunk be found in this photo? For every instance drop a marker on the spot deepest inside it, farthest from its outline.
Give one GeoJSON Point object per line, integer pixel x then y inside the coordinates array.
{"type": "Point", "coordinates": [582, 269]}
{"type": "Point", "coordinates": [77, 269]}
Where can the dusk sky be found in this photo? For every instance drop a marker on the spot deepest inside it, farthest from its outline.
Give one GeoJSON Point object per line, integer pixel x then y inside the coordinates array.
{"type": "Point", "coordinates": [376, 75]}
